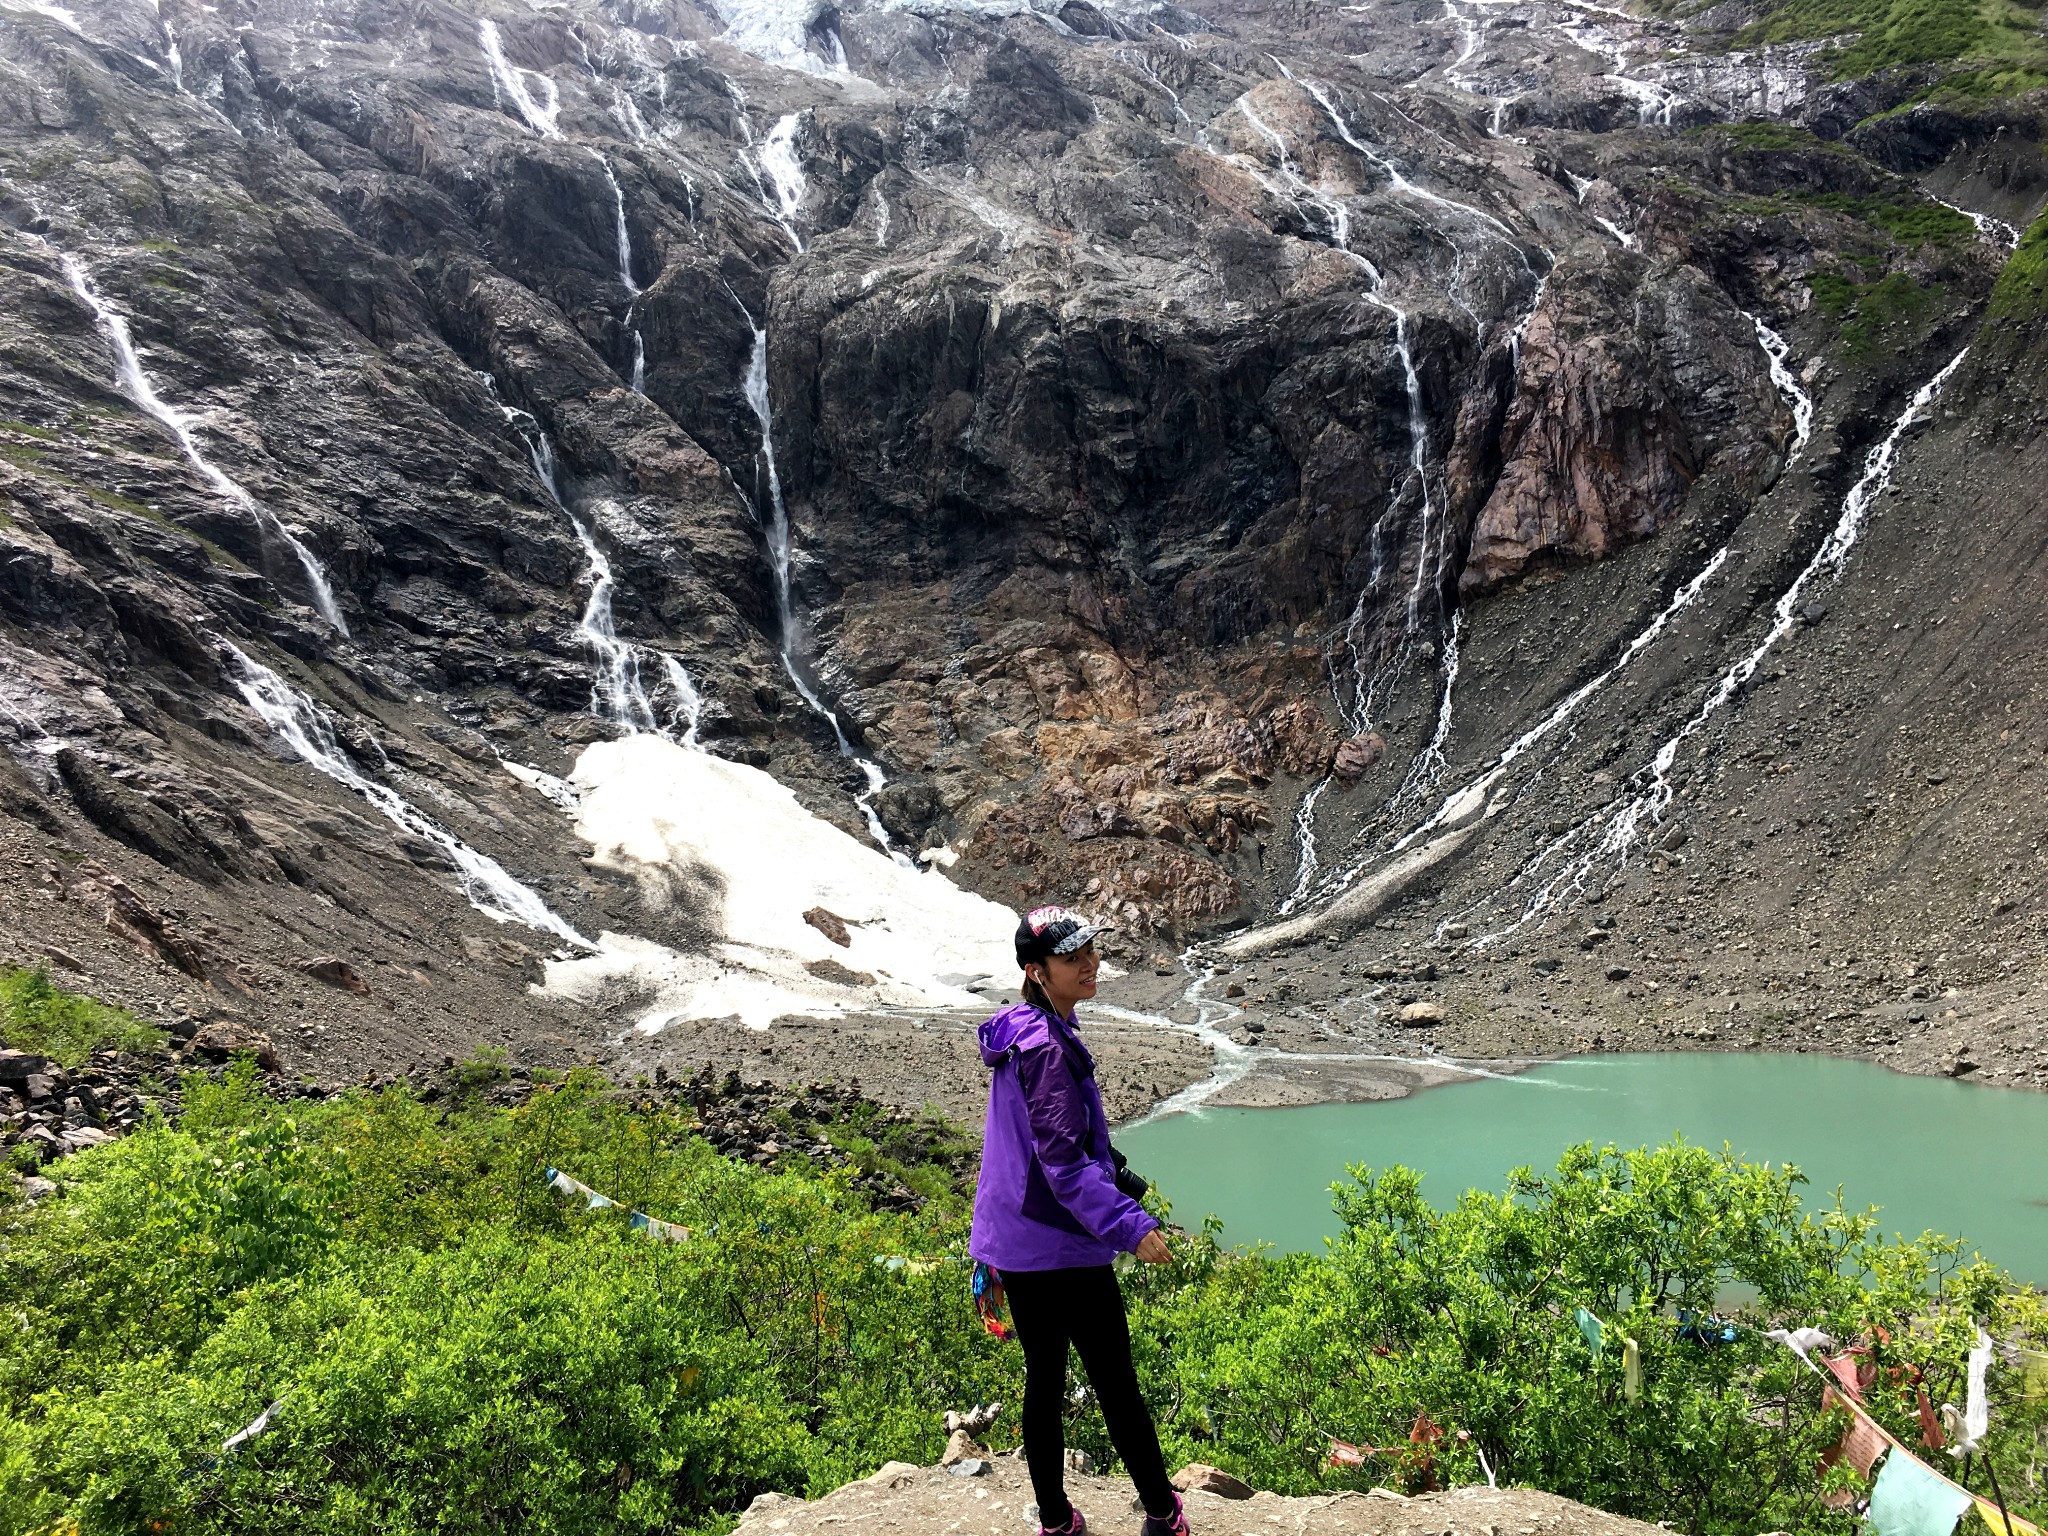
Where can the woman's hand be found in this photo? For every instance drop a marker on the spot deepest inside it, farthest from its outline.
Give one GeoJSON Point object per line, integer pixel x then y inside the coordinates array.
{"type": "Point", "coordinates": [1152, 1249]}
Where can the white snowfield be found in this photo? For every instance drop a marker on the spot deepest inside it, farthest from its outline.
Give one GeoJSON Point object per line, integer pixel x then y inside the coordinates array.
{"type": "Point", "coordinates": [732, 842]}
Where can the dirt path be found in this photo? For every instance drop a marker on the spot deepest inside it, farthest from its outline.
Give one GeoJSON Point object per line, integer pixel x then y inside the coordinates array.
{"type": "Point", "coordinates": [936, 1501]}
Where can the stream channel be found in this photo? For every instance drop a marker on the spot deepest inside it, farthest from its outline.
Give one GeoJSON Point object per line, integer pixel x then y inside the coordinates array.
{"type": "Point", "coordinates": [1960, 1159]}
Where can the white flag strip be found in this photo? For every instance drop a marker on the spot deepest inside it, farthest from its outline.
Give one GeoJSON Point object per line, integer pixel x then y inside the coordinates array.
{"type": "Point", "coordinates": [252, 1429]}
{"type": "Point", "coordinates": [1976, 1406]}
{"type": "Point", "coordinates": [661, 1231]}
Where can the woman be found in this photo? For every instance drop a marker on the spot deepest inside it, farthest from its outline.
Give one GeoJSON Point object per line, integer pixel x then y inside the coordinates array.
{"type": "Point", "coordinates": [1048, 1218]}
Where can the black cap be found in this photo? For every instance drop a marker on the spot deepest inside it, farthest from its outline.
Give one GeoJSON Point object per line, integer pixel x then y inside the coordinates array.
{"type": "Point", "coordinates": [1046, 931]}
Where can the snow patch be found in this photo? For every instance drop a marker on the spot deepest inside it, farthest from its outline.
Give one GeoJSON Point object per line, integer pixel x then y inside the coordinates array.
{"type": "Point", "coordinates": [687, 822]}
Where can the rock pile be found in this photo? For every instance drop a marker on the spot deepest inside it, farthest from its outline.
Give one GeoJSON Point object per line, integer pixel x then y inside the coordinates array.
{"type": "Point", "coordinates": [48, 1111]}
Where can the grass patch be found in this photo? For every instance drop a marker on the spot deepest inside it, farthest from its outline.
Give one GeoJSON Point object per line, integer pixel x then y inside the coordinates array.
{"type": "Point", "coordinates": [1766, 136]}
{"type": "Point", "coordinates": [44, 434]}
{"type": "Point", "coordinates": [2022, 289]}
{"type": "Point", "coordinates": [1891, 33]}
{"type": "Point", "coordinates": [65, 1026]}
{"type": "Point", "coordinates": [1872, 311]}
{"type": "Point", "coordinates": [1907, 219]}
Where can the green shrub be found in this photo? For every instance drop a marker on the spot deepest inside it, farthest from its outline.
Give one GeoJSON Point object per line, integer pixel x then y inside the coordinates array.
{"type": "Point", "coordinates": [2022, 289]}
{"type": "Point", "coordinates": [1467, 1315]}
{"type": "Point", "coordinates": [453, 1347]}
{"type": "Point", "coordinates": [36, 1016]}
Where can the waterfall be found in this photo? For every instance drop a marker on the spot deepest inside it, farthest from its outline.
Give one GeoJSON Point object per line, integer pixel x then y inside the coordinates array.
{"type": "Point", "coordinates": [508, 80]}
{"type": "Point", "coordinates": [303, 726]}
{"type": "Point", "coordinates": [136, 385]}
{"type": "Point", "coordinates": [785, 172]}
{"type": "Point", "coordinates": [1611, 835]}
{"type": "Point", "coordinates": [689, 702]}
{"type": "Point", "coordinates": [1306, 862]}
{"type": "Point", "coordinates": [1430, 765]}
{"type": "Point", "coordinates": [1398, 182]}
{"type": "Point", "coordinates": [617, 694]}
{"type": "Point", "coordinates": [173, 59]}
{"type": "Point", "coordinates": [1777, 349]}
{"type": "Point", "coordinates": [627, 111]}
{"type": "Point", "coordinates": [623, 241]}
{"type": "Point", "coordinates": [1136, 59]}
{"type": "Point", "coordinates": [1997, 231]}
{"type": "Point", "coordinates": [775, 528]}
{"type": "Point", "coordinates": [1457, 804]}
{"type": "Point", "coordinates": [622, 236]}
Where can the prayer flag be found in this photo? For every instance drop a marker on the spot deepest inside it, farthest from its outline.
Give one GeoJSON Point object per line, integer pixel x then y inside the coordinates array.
{"type": "Point", "coordinates": [1861, 1444]}
{"type": "Point", "coordinates": [2033, 1366]}
{"type": "Point", "coordinates": [1930, 1424]}
{"type": "Point", "coordinates": [1910, 1500]}
{"type": "Point", "coordinates": [1345, 1455]}
{"type": "Point", "coordinates": [1590, 1330]}
{"type": "Point", "coordinates": [1847, 1371]}
{"type": "Point", "coordinates": [1801, 1340]}
{"type": "Point", "coordinates": [1977, 1408]}
{"type": "Point", "coordinates": [1996, 1518]}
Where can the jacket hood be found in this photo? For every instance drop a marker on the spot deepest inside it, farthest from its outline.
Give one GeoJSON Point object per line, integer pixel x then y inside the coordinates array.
{"type": "Point", "coordinates": [1017, 1025]}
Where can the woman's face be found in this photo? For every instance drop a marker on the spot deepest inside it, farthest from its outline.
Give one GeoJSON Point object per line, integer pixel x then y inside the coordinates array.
{"type": "Point", "coordinates": [1073, 976]}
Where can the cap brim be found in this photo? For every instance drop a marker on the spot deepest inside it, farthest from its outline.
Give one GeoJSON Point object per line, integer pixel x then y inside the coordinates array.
{"type": "Point", "coordinates": [1080, 936]}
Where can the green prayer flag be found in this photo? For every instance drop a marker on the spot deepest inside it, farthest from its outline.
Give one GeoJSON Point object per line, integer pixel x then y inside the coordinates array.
{"type": "Point", "coordinates": [1909, 1500]}
{"type": "Point", "coordinates": [1589, 1326]}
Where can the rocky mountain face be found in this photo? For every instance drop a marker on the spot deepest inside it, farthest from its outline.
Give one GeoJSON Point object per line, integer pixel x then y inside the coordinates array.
{"type": "Point", "coordinates": [1189, 463]}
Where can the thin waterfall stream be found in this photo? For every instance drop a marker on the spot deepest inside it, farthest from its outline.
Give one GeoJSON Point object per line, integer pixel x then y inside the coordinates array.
{"type": "Point", "coordinates": [776, 534]}
{"type": "Point", "coordinates": [136, 385]}
{"type": "Point", "coordinates": [1609, 837]}
{"type": "Point", "coordinates": [617, 693]}
{"type": "Point", "coordinates": [623, 239]}
{"type": "Point", "coordinates": [304, 726]}
{"type": "Point", "coordinates": [1467, 800]}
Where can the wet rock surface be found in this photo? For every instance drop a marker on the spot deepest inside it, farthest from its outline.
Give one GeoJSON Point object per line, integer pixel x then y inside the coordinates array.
{"type": "Point", "coordinates": [1192, 454]}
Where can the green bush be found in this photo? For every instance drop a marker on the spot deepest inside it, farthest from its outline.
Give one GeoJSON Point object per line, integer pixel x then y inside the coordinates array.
{"type": "Point", "coordinates": [453, 1347]}
{"type": "Point", "coordinates": [36, 1016]}
{"type": "Point", "coordinates": [1467, 1315]}
{"type": "Point", "coordinates": [2022, 290]}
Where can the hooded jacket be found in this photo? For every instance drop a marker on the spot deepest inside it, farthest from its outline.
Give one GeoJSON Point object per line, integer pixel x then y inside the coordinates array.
{"type": "Point", "coordinates": [1047, 1198]}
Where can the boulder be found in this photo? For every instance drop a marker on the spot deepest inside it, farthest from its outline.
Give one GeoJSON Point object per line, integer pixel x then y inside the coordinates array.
{"type": "Point", "coordinates": [830, 924]}
{"type": "Point", "coordinates": [17, 1067]}
{"type": "Point", "coordinates": [1420, 1015]}
{"type": "Point", "coordinates": [224, 1038]}
{"type": "Point", "coordinates": [960, 1446]}
{"type": "Point", "coordinates": [1355, 755]}
{"type": "Point", "coordinates": [335, 972]}
{"type": "Point", "coordinates": [1200, 1477]}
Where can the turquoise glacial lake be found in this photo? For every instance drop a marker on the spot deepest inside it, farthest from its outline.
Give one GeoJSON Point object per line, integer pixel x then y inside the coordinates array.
{"type": "Point", "coordinates": [1953, 1157]}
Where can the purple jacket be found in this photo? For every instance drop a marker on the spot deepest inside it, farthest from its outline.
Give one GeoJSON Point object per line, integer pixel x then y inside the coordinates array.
{"type": "Point", "coordinates": [1047, 1197]}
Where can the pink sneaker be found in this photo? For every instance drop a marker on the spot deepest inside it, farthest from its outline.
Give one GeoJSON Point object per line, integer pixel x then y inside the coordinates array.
{"type": "Point", "coordinates": [1175, 1525]}
{"type": "Point", "coordinates": [1077, 1525]}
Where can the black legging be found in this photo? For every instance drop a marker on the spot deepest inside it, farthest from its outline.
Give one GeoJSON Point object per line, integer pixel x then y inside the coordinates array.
{"type": "Point", "coordinates": [1051, 1307]}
